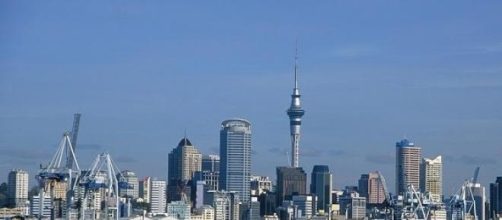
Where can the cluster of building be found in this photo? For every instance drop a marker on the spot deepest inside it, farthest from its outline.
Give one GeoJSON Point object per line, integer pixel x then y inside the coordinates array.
{"type": "Point", "coordinates": [222, 187]}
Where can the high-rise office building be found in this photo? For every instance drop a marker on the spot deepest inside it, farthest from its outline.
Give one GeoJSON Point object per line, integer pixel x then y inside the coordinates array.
{"type": "Point", "coordinates": [132, 191]}
{"type": "Point", "coordinates": [290, 180]}
{"type": "Point", "coordinates": [211, 163]}
{"type": "Point", "coordinates": [17, 188]}
{"type": "Point", "coordinates": [496, 198]}
{"type": "Point", "coordinates": [158, 196]}
{"type": "Point", "coordinates": [371, 187]}
{"type": "Point", "coordinates": [235, 154]}
{"type": "Point", "coordinates": [408, 157]}
{"type": "Point", "coordinates": [321, 186]}
{"type": "Point", "coordinates": [295, 113]}
{"type": "Point", "coordinates": [184, 161]}
{"type": "Point", "coordinates": [431, 178]}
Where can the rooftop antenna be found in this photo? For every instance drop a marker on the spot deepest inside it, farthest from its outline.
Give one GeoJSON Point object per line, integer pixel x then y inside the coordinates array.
{"type": "Point", "coordinates": [296, 64]}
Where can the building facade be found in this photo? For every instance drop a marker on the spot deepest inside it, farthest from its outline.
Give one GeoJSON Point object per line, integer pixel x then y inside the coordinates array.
{"type": "Point", "coordinates": [184, 160]}
{"type": "Point", "coordinates": [290, 180]}
{"type": "Point", "coordinates": [304, 205]}
{"type": "Point", "coordinates": [132, 191]}
{"type": "Point", "coordinates": [225, 204]}
{"type": "Point", "coordinates": [179, 210]}
{"type": "Point", "coordinates": [371, 187]}
{"type": "Point", "coordinates": [158, 196]}
{"type": "Point", "coordinates": [321, 186]}
{"type": "Point", "coordinates": [17, 188]}
{"type": "Point", "coordinates": [145, 189]}
{"type": "Point", "coordinates": [235, 153]}
{"type": "Point", "coordinates": [431, 178]}
{"type": "Point", "coordinates": [211, 163]}
{"type": "Point", "coordinates": [496, 198]}
{"type": "Point", "coordinates": [260, 184]}
{"type": "Point", "coordinates": [408, 158]}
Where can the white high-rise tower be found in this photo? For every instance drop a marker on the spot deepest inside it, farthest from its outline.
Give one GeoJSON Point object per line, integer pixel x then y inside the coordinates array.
{"type": "Point", "coordinates": [295, 113]}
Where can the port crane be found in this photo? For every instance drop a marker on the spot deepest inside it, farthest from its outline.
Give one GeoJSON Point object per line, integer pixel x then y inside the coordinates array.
{"type": "Point", "coordinates": [57, 172]}
{"type": "Point", "coordinates": [101, 184]}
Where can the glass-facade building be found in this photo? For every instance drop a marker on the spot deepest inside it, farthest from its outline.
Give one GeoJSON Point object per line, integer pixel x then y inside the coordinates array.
{"type": "Point", "coordinates": [321, 186]}
{"type": "Point", "coordinates": [235, 157]}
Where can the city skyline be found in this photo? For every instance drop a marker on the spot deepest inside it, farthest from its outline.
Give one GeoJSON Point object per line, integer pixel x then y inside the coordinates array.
{"type": "Point", "coordinates": [440, 89]}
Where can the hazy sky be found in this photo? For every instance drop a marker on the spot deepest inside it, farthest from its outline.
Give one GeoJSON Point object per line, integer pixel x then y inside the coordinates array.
{"type": "Point", "coordinates": [141, 72]}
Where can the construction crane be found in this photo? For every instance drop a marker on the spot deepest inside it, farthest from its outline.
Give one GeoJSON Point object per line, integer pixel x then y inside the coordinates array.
{"type": "Point", "coordinates": [74, 136]}
{"type": "Point", "coordinates": [57, 172]}
{"type": "Point", "coordinates": [101, 182]}
{"type": "Point", "coordinates": [462, 204]}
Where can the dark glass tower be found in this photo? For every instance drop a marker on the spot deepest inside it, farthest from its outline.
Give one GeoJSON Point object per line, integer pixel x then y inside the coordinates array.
{"type": "Point", "coordinates": [321, 186]}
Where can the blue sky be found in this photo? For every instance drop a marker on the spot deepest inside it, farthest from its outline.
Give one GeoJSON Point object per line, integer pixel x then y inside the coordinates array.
{"type": "Point", "coordinates": [141, 72]}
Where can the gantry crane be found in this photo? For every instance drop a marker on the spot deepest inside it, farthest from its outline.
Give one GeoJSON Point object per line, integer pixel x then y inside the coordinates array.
{"type": "Point", "coordinates": [57, 172]}
{"type": "Point", "coordinates": [462, 204]}
{"type": "Point", "coordinates": [103, 179]}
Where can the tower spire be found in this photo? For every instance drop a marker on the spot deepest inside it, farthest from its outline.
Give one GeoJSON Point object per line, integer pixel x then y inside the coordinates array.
{"type": "Point", "coordinates": [296, 66]}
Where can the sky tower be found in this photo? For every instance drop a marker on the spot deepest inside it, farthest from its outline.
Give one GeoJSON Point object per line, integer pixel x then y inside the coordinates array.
{"type": "Point", "coordinates": [295, 113]}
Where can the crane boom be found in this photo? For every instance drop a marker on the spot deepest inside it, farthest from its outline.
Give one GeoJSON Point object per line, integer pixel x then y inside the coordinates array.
{"type": "Point", "coordinates": [475, 177]}
{"type": "Point", "coordinates": [74, 135]}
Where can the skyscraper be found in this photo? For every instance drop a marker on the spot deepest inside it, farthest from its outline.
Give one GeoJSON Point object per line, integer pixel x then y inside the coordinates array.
{"type": "Point", "coordinates": [17, 188]}
{"type": "Point", "coordinates": [371, 187]}
{"type": "Point", "coordinates": [321, 186]}
{"type": "Point", "coordinates": [408, 157]}
{"type": "Point", "coordinates": [184, 161]}
{"type": "Point", "coordinates": [235, 153]}
{"type": "Point", "coordinates": [290, 180]}
{"type": "Point", "coordinates": [496, 198]}
{"type": "Point", "coordinates": [431, 178]}
{"type": "Point", "coordinates": [295, 113]}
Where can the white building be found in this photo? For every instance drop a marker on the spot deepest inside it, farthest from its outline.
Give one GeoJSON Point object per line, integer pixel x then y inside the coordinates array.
{"type": "Point", "coordinates": [46, 206]}
{"type": "Point", "coordinates": [431, 178]}
{"type": "Point", "coordinates": [158, 196]}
